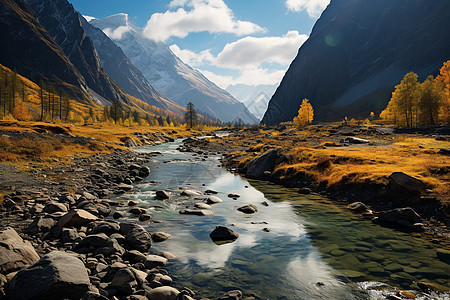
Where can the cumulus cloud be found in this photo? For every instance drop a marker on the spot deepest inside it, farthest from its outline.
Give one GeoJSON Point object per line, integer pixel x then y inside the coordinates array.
{"type": "Point", "coordinates": [213, 16]}
{"type": "Point", "coordinates": [313, 7]}
{"type": "Point", "coordinates": [117, 33]}
{"type": "Point", "coordinates": [250, 52]}
{"type": "Point", "coordinates": [250, 77]}
{"type": "Point", "coordinates": [192, 58]}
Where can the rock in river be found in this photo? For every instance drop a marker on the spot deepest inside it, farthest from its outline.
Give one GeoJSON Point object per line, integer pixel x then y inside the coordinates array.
{"type": "Point", "coordinates": [196, 212]}
{"type": "Point", "coordinates": [58, 275]}
{"type": "Point", "coordinates": [163, 293]}
{"type": "Point", "coordinates": [248, 209]}
{"type": "Point", "coordinates": [266, 162]}
{"type": "Point", "coordinates": [405, 217]}
{"type": "Point", "coordinates": [162, 195]}
{"type": "Point", "coordinates": [222, 233]}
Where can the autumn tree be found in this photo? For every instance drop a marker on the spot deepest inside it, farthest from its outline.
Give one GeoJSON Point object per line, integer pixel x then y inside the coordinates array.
{"type": "Point", "coordinates": [21, 111]}
{"type": "Point", "coordinates": [444, 78]}
{"type": "Point", "coordinates": [190, 117]}
{"type": "Point", "coordinates": [305, 114]}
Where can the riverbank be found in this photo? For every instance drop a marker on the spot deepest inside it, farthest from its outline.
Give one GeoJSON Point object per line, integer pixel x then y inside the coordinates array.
{"type": "Point", "coordinates": [372, 169]}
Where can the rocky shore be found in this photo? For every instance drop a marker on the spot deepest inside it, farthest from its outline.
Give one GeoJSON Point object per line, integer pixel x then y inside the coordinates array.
{"type": "Point", "coordinates": [58, 240]}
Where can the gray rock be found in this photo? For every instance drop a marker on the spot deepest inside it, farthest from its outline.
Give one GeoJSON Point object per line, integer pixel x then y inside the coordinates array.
{"type": "Point", "coordinates": [138, 211]}
{"type": "Point", "coordinates": [139, 239]}
{"type": "Point", "coordinates": [55, 207]}
{"type": "Point", "coordinates": [96, 240]}
{"type": "Point", "coordinates": [304, 191]}
{"type": "Point", "coordinates": [190, 193]}
{"type": "Point", "coordinates": [107, 227]}
{"type": "Point", "coordinates": [76, 217]}
{"type": "Point", "coordinates": [265, 162]}
{"type": "Point", "coordinates": [117, 215]}
{"type": "Point", "coordinates": [134, 256]}
{"type": "Point", "coordinates": [355, 140]}
{"type": "Point", "coordinates": [405, 217]}
{"type": "Point", "coordinates": [55, 276]}
{"type": "Point", "coordinates": [15, 252]}
{"type": "Point", "coordinates": [358, 207]}
{"type": "Point", "coordinates": [69, 235]}
{"type": "Point", "coordinates": [213, 200]}
{"type": "Point", "coordinates": [155, 261]}
{"type": "Point", "coordinates": [124, 281]}
{"type": "Point", "coordinates": [162, 195]}
{"type": "Point", "coordinates": [125, 187]}
{"type": "Point", "coordinates": [160, 236]}
{"type": "Point", "coordinates": [40, 224]}
{"type": "Point", "coordinates": [145, 217]}
{"type": "Point", "coordinates": [222, 233]}
{"type": "Point", "coordinates": [248, 209]}
{"type": "Point", "coordinates": [202, 205]}
{"type": "Point", "coordinates": [163, 293]}
{"type": "Point", "coordinates": [405, 186]}
{"type": "Point", "coordinates": [231, 295]}
{"type": "Point", "coordinates": [196, 212]}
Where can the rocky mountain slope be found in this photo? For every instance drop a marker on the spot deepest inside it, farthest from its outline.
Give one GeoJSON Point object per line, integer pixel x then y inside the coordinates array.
{"type": "Point", "coordinates": [63, 23]}
{"type": "Point", "coordinates": [123, 72]}
{"type": "Point", "coordinates": [28, 48]}
{"type": "Point", "coordinates": [168, 74]}
{"type": "Point", "coordinates": [357, 52]}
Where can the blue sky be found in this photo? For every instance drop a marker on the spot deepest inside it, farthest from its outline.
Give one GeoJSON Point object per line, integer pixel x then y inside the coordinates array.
{"type": "Point", "coordinates": [231, 41]}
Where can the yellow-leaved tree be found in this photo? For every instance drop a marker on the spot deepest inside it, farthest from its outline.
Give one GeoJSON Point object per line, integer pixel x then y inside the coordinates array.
{"type": "Point", "coordinates": [305, 114]}
{"type": "Point", "coordinates": [444, 77]}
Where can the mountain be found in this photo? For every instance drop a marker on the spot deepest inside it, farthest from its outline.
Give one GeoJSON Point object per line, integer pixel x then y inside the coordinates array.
{"type": "Point", "coordinates": [255, 98]}
{"type": "Point", "coordinates": [123, 72]}
{"type": "Point", "coordinates": [168, 74]}
{"type": "Point", "coordinates": [63, 23]}
{"type": "Point", "coordinates": [28, 48]}
{"type": "Point", "coordinates": [357, 52]}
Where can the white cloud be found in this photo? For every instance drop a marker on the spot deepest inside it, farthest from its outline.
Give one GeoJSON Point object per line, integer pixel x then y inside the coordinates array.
{"type": "Point", "coordinates": [213, 16]}
{"type": "Point", "coordinates": [313, 7]}
{"type": "Point", "coordinates": [250, 52]}
{"type": "Point", "coordinates": [192, 58]}
{"type": "Point", "coordinates": [116, 34]}
{"type": "Point", "coordinates": [251, 77]}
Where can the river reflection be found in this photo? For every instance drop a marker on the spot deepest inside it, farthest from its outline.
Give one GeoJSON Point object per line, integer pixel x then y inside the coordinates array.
{"type": "Point", "coordinates": [297, 247]}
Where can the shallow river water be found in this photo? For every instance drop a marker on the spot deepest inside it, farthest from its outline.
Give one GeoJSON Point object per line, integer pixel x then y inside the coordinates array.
{"type": "Point", "coordinates": [297, 247]}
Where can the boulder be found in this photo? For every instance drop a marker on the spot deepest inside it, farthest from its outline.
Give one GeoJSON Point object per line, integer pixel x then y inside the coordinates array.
{"type": "Point", "coordinates": [76, 217]}
{"type": "Point", "coordinates": [190, 193]}
{"type": "Point", "coordinates": [355, 140]}
{"type": "Point", "coordinates": [55, 207]}
{"type": "Point", "coordinates": [155, 261]}
{"type": "Point", "coordinates": [69, 235]}
{"type": "Point", "coordinates": [405, 217]}
{"type": "Point", "coordinates": [160, 236]}
{"type": "Point", "coordinates": [222, 233]}
{"type": "Point", "coordinates": [145, 217]}
{"type": "Point", "coordinates": [15, 252]}
{"type": "Point", "coordinates": [358, 207]}
{"type": "Point", "coordinates": [124, 281]}
{"type": "Point", "coordinates": [196, 212]}
{"type": "Point", "coordinates": [248, 209]}
{"type": "Point", "coordinates": [96, 240]}
{"type": "Point", "coordinates": [231, 295]}
{"type": "Point", "coordinates": [58, 275]}
{"type": "Point", "coordinates": [163, 293]}
{"type": "Point", "coordinates": [134, 256]}
{"type": "Point", "coordinates": [213, 200]}
{"type": "Point", "coordinates": [201, 205]}
{"type": "Point", "coordinates": [257, 167]}
{"type": "Point", "coordinates": [40, 224]}
{"type": "Point", "coordinates": [304, 191]}
{"type": "Point", "coordinates": [405, 186]}
{"type": "Point", "coordinates": [125, 187]}
{"type": "Point", "coordinates": [108, 227]}
{"type": "Point", "coordinates": [162, 195]}
{"type": "Point", "coordinates": [138, 239]}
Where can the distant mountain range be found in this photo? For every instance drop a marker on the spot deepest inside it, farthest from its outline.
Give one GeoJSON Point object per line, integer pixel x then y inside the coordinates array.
{"type": "Point", "coordinates": [167, 73]}
{"type": "Point", "coordinates": [255, 98]}
{"type": "Point", "coordinates": [357, 52]}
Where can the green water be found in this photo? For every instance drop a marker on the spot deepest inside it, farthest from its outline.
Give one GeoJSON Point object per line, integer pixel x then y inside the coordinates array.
{"type": "Point", "coordinates": [313, 250]}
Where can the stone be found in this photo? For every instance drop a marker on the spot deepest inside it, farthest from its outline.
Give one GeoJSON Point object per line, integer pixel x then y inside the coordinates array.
{"type": "Point", "coordinates": [231, 295]}
{"type": "Point", "coordinates": [168, 255]}
{"type": "Point", "coordinates": [358, 207]}
{"type": "Point", "coordinates": [155, 261]}
{"type": "Point", "coordinates": [69, 235]}
{"type": "Point", "coordinates": [163, 293]}
{"type": "Point", "coordinates": [404, 217]}
{"type": "Point", "coordinates": [222, 233]}
{"type": "Point", "coordinates": [76, 217]}
{"type": "Point", "coordinates": [145, 217]}
{"type": "Point", "coordinates": [201, 205]}
{"type": "Point", "coordinates": [125, 187]}
{"type": "Point", "coordinates": [355, 140]}
{"type": "Point", "coordinates": [55, 276]}
{"type": "Point", "coordinates": [427, 286]}
{"type": "Point", "coordinates": [233, 195]}
{"type": "Point", "coordinates": [196, 212]}
{"type": "Point", "coordinates": [405, 186]}
{"type": "Point", "coordinates": [265, 162]}
{"type": "Point", "coordinates": [117, 215]}
{"type": "Point", "coordinates": [15, 252]}
{"type": "Point", "coordinates": [213, 200]}
{"type": "Point", "coordinates": [248, 209]}
{"type": "Point", "coordinates": [304, 191]}
{"type": "Point", "coordinates": [55, 207]}
{"type": "Point", "coordinates": [107, 227]}
{"type": "Point", "coordinates": [40, 224]}
{"type": "Point", "coordinates": [160, 236]}
{"type": "Point", "coordinates": [138, 211]}
{"type": "Point", "coordinates": [162, 195]}
{"type": "Point", "coordinates": [96, 240]}
{"type": "Point", "coordinates": [190, 193]}
{"type": "Point", "coordinates": [134, 256]}
{"type": "Point", "coordinates": [124, 281]}
{"type": "Point", "coordinates": [138, 238]}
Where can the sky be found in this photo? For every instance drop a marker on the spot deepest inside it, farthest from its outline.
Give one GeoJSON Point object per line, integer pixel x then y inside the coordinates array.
{"type": "Point", "coordinates": [248, 42]}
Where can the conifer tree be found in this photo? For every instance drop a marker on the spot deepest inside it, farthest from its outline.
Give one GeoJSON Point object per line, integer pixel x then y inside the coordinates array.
{"type": "Point", "coordinates": [190, 116]}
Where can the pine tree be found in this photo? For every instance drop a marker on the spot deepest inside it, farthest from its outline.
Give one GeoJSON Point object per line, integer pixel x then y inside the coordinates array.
{"type": "Point", "coordinates": [190, 116]}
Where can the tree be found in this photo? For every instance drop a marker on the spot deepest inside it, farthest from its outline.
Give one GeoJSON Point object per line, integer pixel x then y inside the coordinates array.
{"type": "Point", "coordinates": [444, 78]}
{"type": "Point", "coordinates": [21, 112]}
{"type": "Point", "coordinates": [305, 114]}
{"type": "Point", "coordinates": [190, 116]}
{"type": "Point", "coordinates": [41, 97]}
{"type": "Point", "coordinates": [428, 102]}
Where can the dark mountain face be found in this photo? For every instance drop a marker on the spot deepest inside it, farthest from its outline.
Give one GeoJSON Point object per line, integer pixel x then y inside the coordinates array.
{"type": "Point", "coordinates": [64, 25]}
{"type": "Point", "coordinates": [27, 47]}
{"type": "Point", "coordinates": [123, 72]}
{"type": "Point", "coordinates": [357, 52]}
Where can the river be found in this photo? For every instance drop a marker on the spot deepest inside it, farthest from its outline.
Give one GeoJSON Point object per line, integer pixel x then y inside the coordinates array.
{"type": "Point", "coordinates": [297, 247]}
